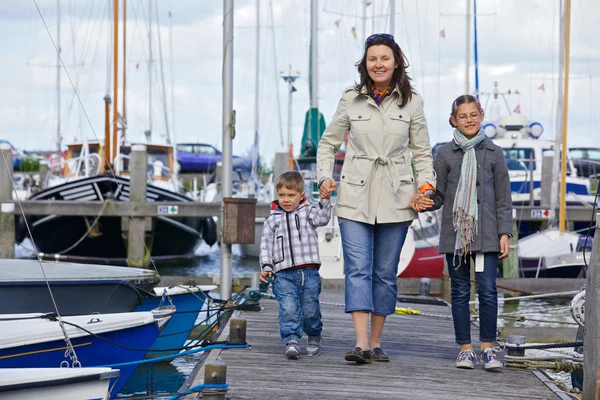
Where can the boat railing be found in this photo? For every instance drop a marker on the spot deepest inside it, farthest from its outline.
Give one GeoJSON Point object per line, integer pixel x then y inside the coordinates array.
{"type": "Point", "coordinates": [75, 167]}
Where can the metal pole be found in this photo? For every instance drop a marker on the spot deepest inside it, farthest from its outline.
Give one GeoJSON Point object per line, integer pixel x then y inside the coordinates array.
{"type": "Point", "coordinates": [565, 149]}
{"type": "Point", "coordinates": [392, 16]}
{"type": "Point", "coordinates": [58, 68]}
{"type": "Point", "coordinates": [554, 189]}
{"type": "Point", "coordinates": [290, 86]}
{"type": "Point", "coordinates": [228, 120]}
{"type": "Point", "coordinates": [150, 60]}
{"type": "Point", "coordinates": [256, 90]}
{"type": "Point", "coordinates": [475, 59]}
{"type": "Point", "coordinates": [115, 120]}
{"type": "Point", "coordinates": [314, 98]}
{"type": "Point", "coordinates": [364, 21]}
{"type": "Point", "coordinates": [468, 47]}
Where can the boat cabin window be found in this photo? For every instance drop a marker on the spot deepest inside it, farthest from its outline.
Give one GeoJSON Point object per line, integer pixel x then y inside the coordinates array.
{"type": "Point", "coordinates": [519, 159]}
{"type": "Point", "coordinates": [76, 152]}
{"type": "Point", "coordinates": [154, 154]}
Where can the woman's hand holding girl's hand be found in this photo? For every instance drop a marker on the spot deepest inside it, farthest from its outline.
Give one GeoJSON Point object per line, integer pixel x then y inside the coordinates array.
{"type": "Point", "coordinates": [327, 187]}
{"type": "Point", "coordinates": [504, 247]}
{"type": "Point", "coordinates": [420, 202]}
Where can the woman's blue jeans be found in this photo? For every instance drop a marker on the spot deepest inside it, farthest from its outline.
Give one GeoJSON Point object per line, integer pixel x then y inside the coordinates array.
{"type": "Point", "coordinates": [371, 257]}
{"type": "Point", "coordinates": [486, 293]}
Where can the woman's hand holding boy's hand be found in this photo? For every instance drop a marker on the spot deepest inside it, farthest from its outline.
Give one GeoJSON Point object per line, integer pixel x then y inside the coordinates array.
{"type": "Point", "coordinates": [420, 202]}
{"type": "Point", "coordinates": [265, 275]}
{"type": "Point", "coordinates": [504, 247]}
{"type": "Point", "coordinates": [327, 187]}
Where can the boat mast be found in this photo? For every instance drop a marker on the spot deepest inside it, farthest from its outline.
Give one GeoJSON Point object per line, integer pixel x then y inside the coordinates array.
{"type": "Point", "coordinates": [58, 68]}
{"type": "Point", "coordinates": [475, 59]}
{"type": "Point", "coordinates": [256, 92]}
{"type": "Point", "coordinates": [124, 115]}
{"type": "Point", "coordinates": [554, 189]}
{"type": "Point", "coordinates": [468, 47]}
{"type": "Point", "coordinates": [563, 170]}
{"type": "Point", "coordinates": [111, 147]}
{"type": "Point", "coordinates": [392, 16]}
{"type": "Point", "coordinates": [150, 60]}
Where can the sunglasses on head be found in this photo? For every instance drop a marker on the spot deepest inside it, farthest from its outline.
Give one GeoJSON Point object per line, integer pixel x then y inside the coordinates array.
{"type": "Point", "coordinates": [375, 36]}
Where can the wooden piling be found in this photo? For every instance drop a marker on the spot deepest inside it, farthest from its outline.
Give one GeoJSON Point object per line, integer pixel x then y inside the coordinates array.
{"type": "Point", "coordinates": [137, 226]}
{"type": "Point", "coordinates": [591, 349]}
{"type": "Point", "coordinates": [7, 218]}
{"type": "Point", "coordinates": [43, 173]}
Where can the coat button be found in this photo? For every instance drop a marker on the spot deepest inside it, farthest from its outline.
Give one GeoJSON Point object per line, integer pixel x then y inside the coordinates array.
{"type": "Point", "coordinates": [400, 116]}
{"type": "Point", "coordinates": [343, 176]}
{"type": "Point", "coordinates": [362, 181]}
{"type": "Point", "coordinates": [477, 183]}
{"type": "Point", "coordinates": [478, 201]}
{"type": "Point", "coordinates": [360, 116]}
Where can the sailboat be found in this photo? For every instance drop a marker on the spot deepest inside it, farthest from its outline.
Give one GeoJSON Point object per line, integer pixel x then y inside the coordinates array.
{"type": "Point", "coordinates": [554, 250]}
{"type": "Point", "coordinates": [99, 171]}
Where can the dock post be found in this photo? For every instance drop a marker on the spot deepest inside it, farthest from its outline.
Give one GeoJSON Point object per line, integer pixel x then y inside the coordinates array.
{"type": "Point", "coordinates": [43, 173]}
{"type": "Point", "coordinates": [215, 373]}
{"type": "Point", "coordinates": [510, 265]}
{"type": "Point", "coordinates": [136, 226]}
{"type": "Point", "coordinates": [591, 361]}
{"type": "Point", "coordinates": [7, 218]}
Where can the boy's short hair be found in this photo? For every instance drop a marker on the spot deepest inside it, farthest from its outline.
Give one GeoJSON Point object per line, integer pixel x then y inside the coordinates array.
{"type": "Point", "coordinates": [291, 180]}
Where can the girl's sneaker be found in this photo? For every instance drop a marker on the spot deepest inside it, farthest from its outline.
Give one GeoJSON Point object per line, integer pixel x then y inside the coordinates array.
{"type": "Point", "coordinates": [488, 357]}
{"type": "Point", "coordinates": [292, 350]}
{"type": "Point", "coordinates": [466, 359]}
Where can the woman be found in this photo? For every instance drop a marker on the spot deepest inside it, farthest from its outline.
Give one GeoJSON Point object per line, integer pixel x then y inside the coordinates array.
{"type": "Point", "coordinates": [378, 196]}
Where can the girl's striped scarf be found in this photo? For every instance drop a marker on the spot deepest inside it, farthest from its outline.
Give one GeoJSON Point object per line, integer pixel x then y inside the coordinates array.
{"type": "Point", "coordinates": [465, 213]}
{"type": "Point", "coordinates": [378, 96]}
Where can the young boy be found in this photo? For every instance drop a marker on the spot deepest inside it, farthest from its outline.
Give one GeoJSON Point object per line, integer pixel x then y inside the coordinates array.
{"type": "Point", "coordinates": [289, 248]}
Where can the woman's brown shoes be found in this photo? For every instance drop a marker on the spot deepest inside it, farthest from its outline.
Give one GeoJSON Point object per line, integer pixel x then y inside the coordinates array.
{"type": "Point", "coordinates": [380, 355]}
{"type": "Point", "coordinates": [359, 356]}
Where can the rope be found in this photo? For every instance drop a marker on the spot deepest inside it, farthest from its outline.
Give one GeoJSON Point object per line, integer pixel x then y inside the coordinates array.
{"type": "Point", "coordinates": [85, 235]}
{"type": "Point", "coordinates": [534, 296]}
{"type": "Point", "coordinates": [556, 366]}
{"type": "Point", "coordinates": [222, 386]}
{"type": "Point", "coordinates": [538, 346]}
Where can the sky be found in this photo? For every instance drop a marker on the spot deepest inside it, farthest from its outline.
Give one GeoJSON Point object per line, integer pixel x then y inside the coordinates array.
{"type": "Point", "coordinates": [518, 46]}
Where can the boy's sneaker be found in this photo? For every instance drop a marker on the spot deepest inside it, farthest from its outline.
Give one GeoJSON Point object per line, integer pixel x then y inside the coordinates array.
{"type": "Point", "coordinates": [466, 359]}
{"type": "Point", "coordinates": [488, 357]}
{"type": "Point", "coordinates": [314, 346]}
{"type": "Point", "coordinates": [292, 351]}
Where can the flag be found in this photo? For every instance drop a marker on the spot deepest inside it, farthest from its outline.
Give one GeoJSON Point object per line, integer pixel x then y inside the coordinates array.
{"type": "Point", "coordinates": [517, 109]}
{"type": "Point", "coordinates": [353, 32]}
{"type": "Point", "coordinates": [443, 33]}
{"type": "Point", "coordinates": [368, 3]}
{"type": "Point", "coordinates": [542, 88]}
{"type": "Point", "coordinates": [293, 89]}
{"type": "Point", "coordinates": [337, 23]}
{"type": "Point", "coordinates": [137, 66]}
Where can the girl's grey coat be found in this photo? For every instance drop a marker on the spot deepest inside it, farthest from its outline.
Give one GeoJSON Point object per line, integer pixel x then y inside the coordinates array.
{"type": "Point", "coordinates": [493, 195]}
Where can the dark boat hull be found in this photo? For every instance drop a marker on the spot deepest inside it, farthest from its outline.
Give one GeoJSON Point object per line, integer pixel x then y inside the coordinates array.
{"type": "Point", "coordinates": [74, 238]}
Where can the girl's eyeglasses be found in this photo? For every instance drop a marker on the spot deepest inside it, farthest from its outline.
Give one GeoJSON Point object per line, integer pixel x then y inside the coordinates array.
{"type": "Point", "coordinates": [464, 117]}
{"type": "Point", "coordinates": [375, 36]}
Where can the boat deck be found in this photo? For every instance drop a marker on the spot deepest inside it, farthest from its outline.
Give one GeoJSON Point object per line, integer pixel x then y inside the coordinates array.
{"type": "Point", "coordinates": [421, 348]}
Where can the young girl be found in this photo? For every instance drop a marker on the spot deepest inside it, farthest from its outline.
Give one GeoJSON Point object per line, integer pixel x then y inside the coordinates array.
{"type": "Point", "coordinates": [474, 187]}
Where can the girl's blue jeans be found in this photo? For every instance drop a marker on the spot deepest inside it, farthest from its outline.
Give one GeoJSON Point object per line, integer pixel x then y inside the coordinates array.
{"type": "Point", "coordinates": [297, 291]}
{"type": "Point", "coordinates": [486, 293]}
{"type": "Point", "coordinates": [371, 257]}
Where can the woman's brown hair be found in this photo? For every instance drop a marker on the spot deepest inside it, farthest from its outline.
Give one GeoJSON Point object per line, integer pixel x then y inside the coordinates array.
{"type": "Point", "coordinates": [400, 78]}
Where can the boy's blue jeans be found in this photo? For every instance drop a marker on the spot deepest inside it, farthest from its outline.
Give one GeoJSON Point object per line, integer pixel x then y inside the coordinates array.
{"type": "Point", "coordinates": [486, 293]}
{"type": "Point", "coordinates": [297, 291]}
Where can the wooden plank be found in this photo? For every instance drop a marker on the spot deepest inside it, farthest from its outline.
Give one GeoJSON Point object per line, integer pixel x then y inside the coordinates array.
{"type": "Point", "coordinates": [591, 362]}
{"type": "Point", "coordinates": [126, 209]}
{"type": "Point", "coordinates": [422, 350]}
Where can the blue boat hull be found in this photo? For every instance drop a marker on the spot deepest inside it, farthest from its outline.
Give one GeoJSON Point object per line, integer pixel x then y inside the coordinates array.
{"type": "Point", "coordinates": [91, 351]}
{"type": "Point", "coordinates": [177, 330]}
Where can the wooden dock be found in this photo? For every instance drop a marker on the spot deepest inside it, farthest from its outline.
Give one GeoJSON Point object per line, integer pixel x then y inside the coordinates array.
{"type": "Point", "coordinates": [421, 348]}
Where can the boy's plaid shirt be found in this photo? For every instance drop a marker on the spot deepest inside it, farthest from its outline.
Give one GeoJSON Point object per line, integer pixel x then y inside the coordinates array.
{"type": "Point", "coordinates": [290, 239]}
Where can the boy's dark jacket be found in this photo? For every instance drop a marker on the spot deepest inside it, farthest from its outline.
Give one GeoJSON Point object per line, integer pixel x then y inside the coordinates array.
{"type": "Point", "coordinates": [290, 239]}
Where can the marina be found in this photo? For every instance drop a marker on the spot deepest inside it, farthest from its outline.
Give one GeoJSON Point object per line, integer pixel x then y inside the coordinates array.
{"type": "Point", "coordinates": [132, 237]}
